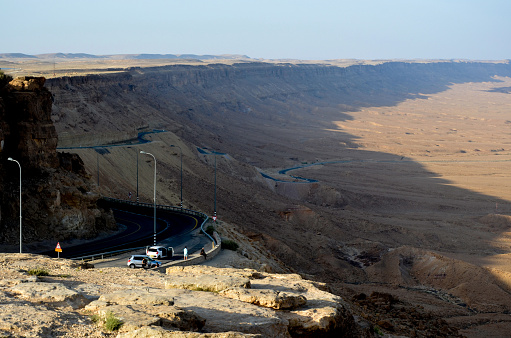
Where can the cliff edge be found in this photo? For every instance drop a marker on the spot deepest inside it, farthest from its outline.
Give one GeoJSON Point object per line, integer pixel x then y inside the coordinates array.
{"type": "Point", "coordinates": [74, 299]}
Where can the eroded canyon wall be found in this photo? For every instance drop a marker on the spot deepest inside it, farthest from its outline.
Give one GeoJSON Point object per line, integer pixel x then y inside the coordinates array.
{"type": "Point", "coordinates": [58, 199]}
{"type": "Point", "coordinates": [258, 114]}
{"type": "Point", "coordinates": [197, 102]}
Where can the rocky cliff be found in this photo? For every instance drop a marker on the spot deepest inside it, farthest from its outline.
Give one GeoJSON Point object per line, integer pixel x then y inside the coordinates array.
{"type": "Point", "coordinates": [74, 300]}
{"type": "Point", "coordinates": [58, 199]}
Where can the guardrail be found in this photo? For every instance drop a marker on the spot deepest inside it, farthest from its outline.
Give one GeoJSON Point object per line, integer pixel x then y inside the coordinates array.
{"type": "Point", "coordinates": [148, 205]}
{"type": "Point", "coordinates": [104, 255]}
{"type": "Point", "coordinates": [158, 206]}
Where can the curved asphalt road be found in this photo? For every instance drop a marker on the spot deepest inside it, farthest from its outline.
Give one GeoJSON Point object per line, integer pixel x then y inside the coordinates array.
{"type": "Point", "coordinates": [137, 223]}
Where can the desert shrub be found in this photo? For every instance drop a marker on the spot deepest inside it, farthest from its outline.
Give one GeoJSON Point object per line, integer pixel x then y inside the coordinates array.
{"type": "Point", "coordinates": [229, 245]}
{"type": "Point", "coordinates": [38, 272]}
{"type": "Point", "coordinates": [378, 331]}
{"type": "Point", "coordinates": [112, 323]}
{"type": "Point", "coordinates": [210, 229]}
{"type": "Point", "coordinates": [95, 318]}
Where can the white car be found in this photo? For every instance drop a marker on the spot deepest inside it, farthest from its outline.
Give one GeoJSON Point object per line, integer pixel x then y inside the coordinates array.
{"type": "Point", "coordinates": [159, 251]}
{"type": "Point", "coordinates": [136, 261]}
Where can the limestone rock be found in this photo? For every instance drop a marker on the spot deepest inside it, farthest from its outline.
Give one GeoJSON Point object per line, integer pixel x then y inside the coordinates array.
{"type": "Point", "coordinates": [173, 317]}
{"type": "Point", "coordinates": [28, 83]}
{"type": "Point", "coordinates": [8, 282]}
{"type": "Point", "coordinates": [224, 314]}
{"type": "Point", "coordinates": [320, 313]}
{"type": "Point", "coordinates": [96, 305]}
{"type": "Point", "coordinates": [155, 308]}
{"type": "Point", "coordinates": [212, 283]}
{"type": "Point", "coordinates": [319, 318]}
{"type": "Point", "coordinates": [24, 319]}
{"type": "Point", "coordinates": [34, 308]}
{"type": "Point", "coordinates": [158, 332]}
{"type": "Point", "coordinates": [266, 297]}
{"type": "Point", "coordinates": [132, 318]}
{"type": "Point", "coordinates": [137, 296]}
{"type": "Point", "coordinates": [54, 293]}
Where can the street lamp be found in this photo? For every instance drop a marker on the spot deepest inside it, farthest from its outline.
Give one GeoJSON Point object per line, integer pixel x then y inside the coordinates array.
{"type": "Point", "coordinates": [97, 165]}
{"type": "Point", "coordinates": [172, 145]}
{"type": "Point", "coordinates": [137, 171]}
{"type": "Point", "coordinates": [214, 210]}
{"type": "Point", "coordinates": [137, 176]}
{"type": "Point", "coordinates": [154, 198]}
{"type": "Point", "coordinates": [19, 165]}
{"type": "Point", "coordinates": [215, 190]}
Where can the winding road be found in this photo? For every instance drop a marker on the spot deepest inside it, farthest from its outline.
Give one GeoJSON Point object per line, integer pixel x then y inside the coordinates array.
{"type": "Point", "coordinates": [298, 179]}
{"type": "Point", "coordinates": [136, 222]}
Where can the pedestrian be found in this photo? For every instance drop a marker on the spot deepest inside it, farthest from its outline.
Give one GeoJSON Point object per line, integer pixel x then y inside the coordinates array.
{"type": "Point", "coordinates": [144, 263]}
{"type": "Point", "coordinates": [203, 253]}
{"type": "Point", "coordinates": [185, 252]}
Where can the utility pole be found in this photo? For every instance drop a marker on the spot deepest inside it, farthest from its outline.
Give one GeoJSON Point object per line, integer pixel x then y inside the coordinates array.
{"type": "Point", "coordinates": [181, 151]}
{"type": "Point", "coordinates": [154, 199]}
{"type": "Point", "coordinates": [21, 239]}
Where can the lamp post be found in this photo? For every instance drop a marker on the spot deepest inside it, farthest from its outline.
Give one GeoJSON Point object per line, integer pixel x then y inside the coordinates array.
{"type": "Point", "coordinates": [154, 198]}
{"type": "Point", "coordinates": [97, 165]}
{"type": "Point", "coordinates": [137, 176]}
{"type": "Point", "coordinates": [21, 241]}
{"type": "Point", "coordinates": [214, 206]}
{"type": "Point", "coordinates": [214, 214]}
{"type": "Point", "coordinates": [181, 150]}
{"type": "Point", "coordinates": [136, 150]}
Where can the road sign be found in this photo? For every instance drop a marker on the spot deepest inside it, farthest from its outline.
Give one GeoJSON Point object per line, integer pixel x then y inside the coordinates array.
{"type": "Point", "coordinates": [214, 218]}
{"type": "Point", "coordinates": [58, 248]}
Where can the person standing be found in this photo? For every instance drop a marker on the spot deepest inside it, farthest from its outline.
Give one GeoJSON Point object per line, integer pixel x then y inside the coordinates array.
{"type": "Point", "coordinates": [203, 253]}
{"type": "Point", "coordinates": [185, 253]}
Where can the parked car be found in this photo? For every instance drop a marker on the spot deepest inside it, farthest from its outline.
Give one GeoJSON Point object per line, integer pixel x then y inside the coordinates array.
{"type": "Point", "coordinates": [135, 261]}
{"type": "Point", "coordinates": [159, 251]}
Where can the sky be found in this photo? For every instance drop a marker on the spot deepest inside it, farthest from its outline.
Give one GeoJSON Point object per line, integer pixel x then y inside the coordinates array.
{"type": "Point", "coordinates": [269, 29]}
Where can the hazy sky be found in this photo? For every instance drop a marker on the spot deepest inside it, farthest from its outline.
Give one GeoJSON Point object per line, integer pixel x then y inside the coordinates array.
{"type": "Point", "coordinates": [271, 29]}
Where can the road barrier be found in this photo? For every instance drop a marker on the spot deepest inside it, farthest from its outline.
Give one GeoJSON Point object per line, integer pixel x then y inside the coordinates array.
{"type": "Point", "coordinates": [103, 255]}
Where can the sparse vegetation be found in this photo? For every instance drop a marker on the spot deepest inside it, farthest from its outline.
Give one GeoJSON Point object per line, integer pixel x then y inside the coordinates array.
{"type": "Point", "coordinates": [95, 318]}
{"type": "Point", "coordinates": [210, 229]}
{"type": "Point", "coordinates": [229, 244]}
{"type": "Point", "coordinates": [110, 322]}
{"type": "Point", "coordinates": [199, 288]}
{"type": "Point", "coordinates": [378, 331]}
{"type": "Point", "coordinates": [38, 272]}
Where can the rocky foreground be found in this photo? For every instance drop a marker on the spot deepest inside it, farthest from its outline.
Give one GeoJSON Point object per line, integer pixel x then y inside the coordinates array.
{"type": "Point", "coordinates": [75, 299]}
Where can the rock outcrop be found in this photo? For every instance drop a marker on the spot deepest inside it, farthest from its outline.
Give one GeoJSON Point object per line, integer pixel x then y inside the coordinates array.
{"type": "Point", "coordinates": [58, 199]}
{"type": "Point", "coordinates": [282, 304]}
{"type": "Point", "coordinates": [61, 303]}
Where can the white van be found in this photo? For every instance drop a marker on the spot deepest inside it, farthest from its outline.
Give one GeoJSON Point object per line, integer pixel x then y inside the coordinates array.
{"type": "Point", "coordinates": [159, 252]}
